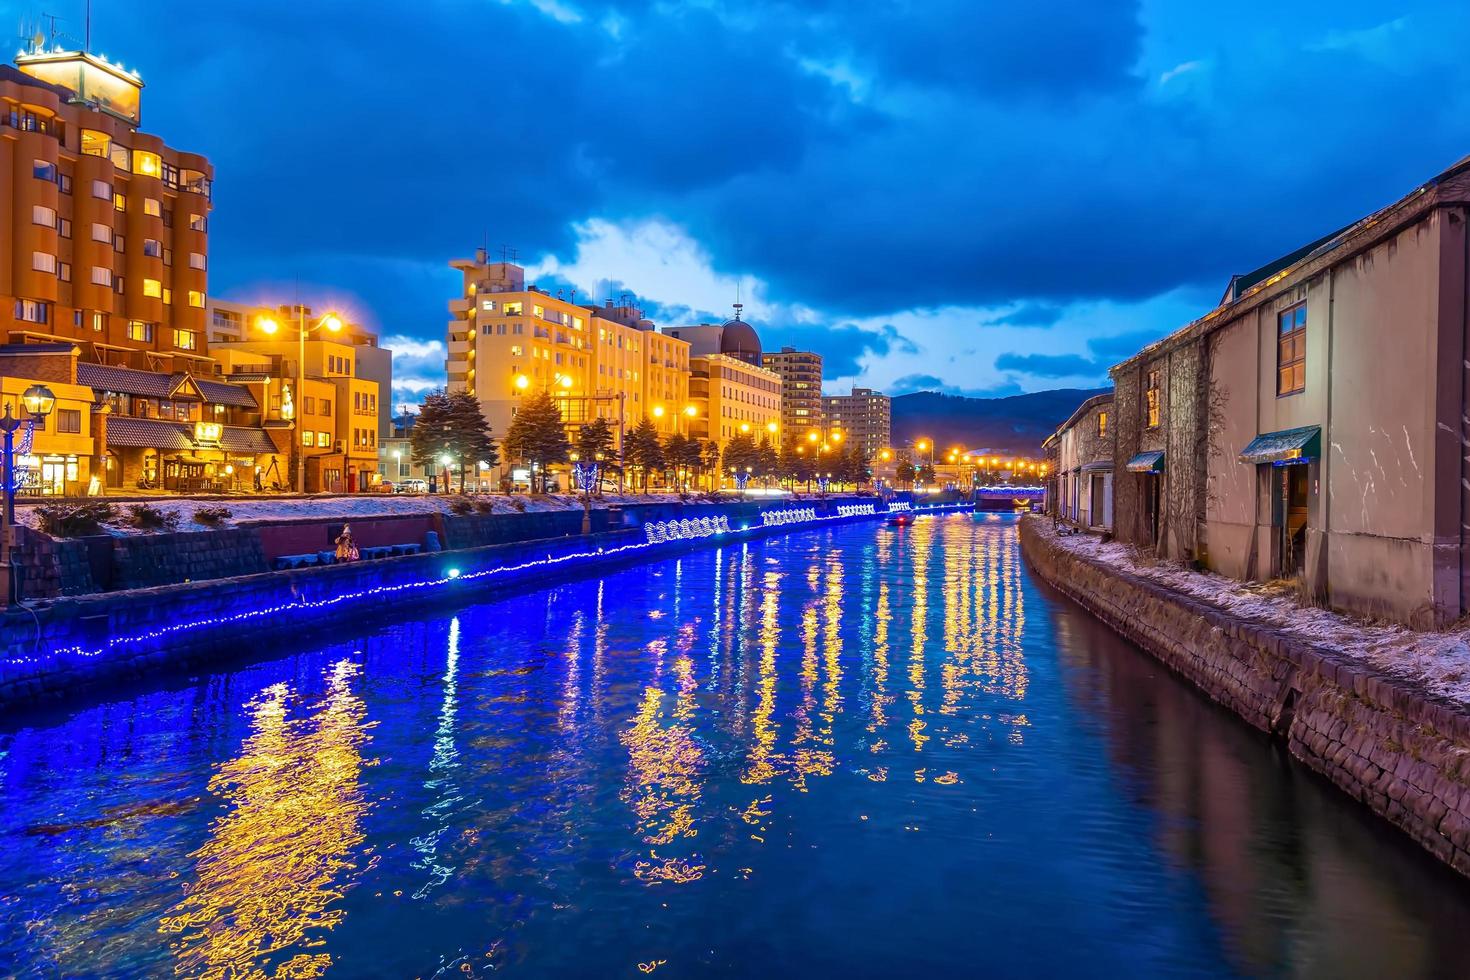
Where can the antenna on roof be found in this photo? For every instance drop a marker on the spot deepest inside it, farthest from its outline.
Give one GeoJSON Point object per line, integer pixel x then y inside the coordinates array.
{"type": "Point", "coordinates": [738, 305]}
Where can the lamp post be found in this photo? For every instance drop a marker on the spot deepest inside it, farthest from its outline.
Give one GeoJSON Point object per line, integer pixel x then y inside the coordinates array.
{"type": "Point", "coordinates": [330, 322]}
{"type": "Point", "coordinates": [38, 401]}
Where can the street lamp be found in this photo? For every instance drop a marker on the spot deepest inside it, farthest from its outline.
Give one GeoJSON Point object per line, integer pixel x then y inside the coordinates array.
{"type": "Point", "coordinates": [38, 401]}
{"type": "Point", "coordinates": [269, 326]}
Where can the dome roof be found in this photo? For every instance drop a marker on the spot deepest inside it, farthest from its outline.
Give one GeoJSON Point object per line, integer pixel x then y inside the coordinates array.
{"type": "Point", "coordinates": [738, 339]}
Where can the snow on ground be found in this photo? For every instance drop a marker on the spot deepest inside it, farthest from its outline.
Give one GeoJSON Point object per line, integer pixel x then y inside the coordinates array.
{"type": "Point", "coordinates": [334, 507]}
{"type": "Point", "coordinates": [1438, 661]}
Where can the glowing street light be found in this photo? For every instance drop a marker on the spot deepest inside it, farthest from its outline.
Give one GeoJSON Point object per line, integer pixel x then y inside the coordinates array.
{"type": "Point", "coordinates": [270, 326]}
{"type": "Point", "coordinates": [522, 382]}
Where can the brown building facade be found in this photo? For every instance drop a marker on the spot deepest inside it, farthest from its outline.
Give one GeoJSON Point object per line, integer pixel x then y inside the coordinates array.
{"type": "Point", "coordinates": [105, 241]}
{"type": "Point", "coordinates": [1312, 427]}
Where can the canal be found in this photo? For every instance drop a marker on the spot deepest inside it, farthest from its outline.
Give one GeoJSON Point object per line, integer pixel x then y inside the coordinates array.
{"type": "Point", "coordinates": [865, 751]}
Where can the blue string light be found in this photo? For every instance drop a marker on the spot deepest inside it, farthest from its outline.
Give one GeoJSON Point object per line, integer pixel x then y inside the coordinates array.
{"type": "Point", "coordinates": [451, 576]}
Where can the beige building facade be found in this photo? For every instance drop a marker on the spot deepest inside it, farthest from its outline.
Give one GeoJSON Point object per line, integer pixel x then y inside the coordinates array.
{"type": "Point", "coordinates": [801, 387]}
{"type": "Point", "coordinates": [866, 417]}
{"type": "Point", "coordinates": [1312, 426]}
{"type": "Point", "coordinates": [735, 397]}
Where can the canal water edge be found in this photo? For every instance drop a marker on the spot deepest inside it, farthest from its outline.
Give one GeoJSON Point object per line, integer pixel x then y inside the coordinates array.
{"type": "Point", "coordinates": [1402, 751]}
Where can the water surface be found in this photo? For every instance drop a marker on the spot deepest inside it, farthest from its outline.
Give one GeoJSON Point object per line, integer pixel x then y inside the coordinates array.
{"type": "Point", "coordinates": [866, 751]}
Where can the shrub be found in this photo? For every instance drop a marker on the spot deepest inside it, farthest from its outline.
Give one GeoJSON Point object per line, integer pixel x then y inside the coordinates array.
{"type": "Point", "coordinates": [484, 506]}
{"type": "Point", "coordinates": [518, 504]}
{"type": "Point", "coordinates": [212, 516]}
{"type": "Point", "coordinates": [461, 506]}
{"type": "Point", "coordinates": [146, 517]}
{"type": "Point", "coordinates": [75, 520]}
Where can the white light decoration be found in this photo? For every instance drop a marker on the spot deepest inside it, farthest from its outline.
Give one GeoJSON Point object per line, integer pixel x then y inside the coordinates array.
{"type": "Point", "coordinates": [856, 510]}
{"type": "Point", "coordinates": [660, 532]}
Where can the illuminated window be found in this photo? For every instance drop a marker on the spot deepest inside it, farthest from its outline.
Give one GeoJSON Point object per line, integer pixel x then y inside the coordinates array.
{"type": "Point", "coordinates": [146, 163]}
{"type": "Point", "coordinates": [119, 203]}
{"type": "Point", "coordinates": [186, 340]}
{"type": "Point", "coordinates": [42, 215]}
{"type": "Point", "coordinates": [197, 222]}
{"type": "Point", "coordinates": [196, 299]}
{"type": "Point", "coordinates": [1291, 350]}
{"type": "Point", "coordinates": [121, 157]}
{"type": "Point", "coordinates": [308, 438]}
{"type": "Point", "coordinates": [101, 276]}
{"type": "Point", "coordinates": [1151, 399]}
{"type": "Point", "coordinates": [99, 322]}
{"type": "Point", "coordinates": [1102, 423]}
{"type": "Point", "coordinates": [32, 311]}
{"type": "Point", "coordinates": [168, 295]}
{"type": "Point", "coordinates": [511, 309]}
{"type": "Point", "coordinates": [538, 311]}
{"type": "Point", "coordinates": [152, 207]}
{"type": "Point", "coordinates": [152, 287]}
{"type": "Point", "coordinates": [324, 439]}
{"type": "Point", "coordinates": [43, 262]}
{"type": "Point", "coordinates": [140, 330]}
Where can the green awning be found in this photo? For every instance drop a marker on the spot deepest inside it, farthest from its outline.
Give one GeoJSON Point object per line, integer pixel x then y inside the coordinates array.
{"type": "Point", "coordinates": [1288, 445]}
{"type": "Point", "coordinates": [1147, 462]}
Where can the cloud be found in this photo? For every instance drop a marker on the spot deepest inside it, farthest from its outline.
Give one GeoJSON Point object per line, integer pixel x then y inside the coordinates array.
{"type": "Point", "coordinates": [1032, 314]}
{"type": "Point", "coordinates": [1183, 68]}
{"type": "Point", "coordinates": [917, 382]}
{"type": "Point", "coordinates": [1049, 365]}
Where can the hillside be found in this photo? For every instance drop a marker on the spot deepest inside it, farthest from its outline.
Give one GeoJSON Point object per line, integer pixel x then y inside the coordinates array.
{"type": "Point", "coordinates": [1014, 425]}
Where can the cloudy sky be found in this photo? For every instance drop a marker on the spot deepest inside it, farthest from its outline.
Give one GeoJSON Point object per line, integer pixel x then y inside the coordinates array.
{"type": "Point", "coordinates": [976, 196]}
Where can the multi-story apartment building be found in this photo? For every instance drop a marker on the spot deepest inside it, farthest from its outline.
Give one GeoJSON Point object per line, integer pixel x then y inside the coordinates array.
{"type": "Point", "coordinates": [865, 417]}
{"type": "Point", "coordinates": [507, 339]}
{"type": "Point", "coordinates": [238, 322]}
{"type": "Point", "coordinates": [104, 240]}
{"type": "Point", "coordinates": [801, 387]}
{"type": "Point", "coordinates": [333, 421]}
{"type": "Point", "coordinates": [734, 397]}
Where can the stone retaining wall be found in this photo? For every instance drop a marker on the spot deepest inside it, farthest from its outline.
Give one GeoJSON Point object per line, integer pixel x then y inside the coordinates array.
{"type": "Point", "coordinates": [1402, 751]}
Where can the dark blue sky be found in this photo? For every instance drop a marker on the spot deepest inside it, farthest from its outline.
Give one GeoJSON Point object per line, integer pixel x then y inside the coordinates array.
{"type": "Point", "coordinates": [986, 197]}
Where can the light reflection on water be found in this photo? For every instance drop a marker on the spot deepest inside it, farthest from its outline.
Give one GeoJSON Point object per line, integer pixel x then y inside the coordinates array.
{"type": "Point", "coordinates": [867, 750]}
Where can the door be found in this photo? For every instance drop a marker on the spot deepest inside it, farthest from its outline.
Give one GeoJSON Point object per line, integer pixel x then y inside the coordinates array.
{"type": "Point", "coordinates": [53, 478]}
{"type": "Point", "coordinates": [1151, 501]}
{"type": "Point", "coordinates": [1292, 488]}
{"type": "Point", "coordinates": [1096, 511]}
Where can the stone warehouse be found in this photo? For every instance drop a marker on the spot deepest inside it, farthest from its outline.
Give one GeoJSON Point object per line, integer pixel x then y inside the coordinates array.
{"type": "Point", "coordinates": [1313, 425]}
{"type": "Point", "coordinates": [1084, 464]}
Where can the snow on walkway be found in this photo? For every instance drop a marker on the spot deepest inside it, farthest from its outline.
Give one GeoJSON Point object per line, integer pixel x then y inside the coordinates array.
{"type": "Point", "coordinates": [1438, 661]}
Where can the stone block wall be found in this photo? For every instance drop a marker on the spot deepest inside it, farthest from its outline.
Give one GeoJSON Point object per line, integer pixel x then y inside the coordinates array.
{"type": "Point", "coordinates": [1402, 751]}
{"type": "Point", "coordinates": [144, 560]}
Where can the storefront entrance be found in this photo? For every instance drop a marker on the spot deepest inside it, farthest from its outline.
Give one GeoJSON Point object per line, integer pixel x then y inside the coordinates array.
{"type": "Point", "coordinates": [1290, 506]}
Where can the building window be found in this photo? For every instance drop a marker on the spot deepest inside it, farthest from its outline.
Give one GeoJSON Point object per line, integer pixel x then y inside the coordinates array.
{"type": "Point", "coordinates": [43, 262]}
{"type": "Point", "coordinates": [99, 322]}
{"type": "Point", "coordinates": [69, 420]}
{"type": "Point", "coordinates": [152, 248]}
{"type": "Point", "coordinates": [168, 257]}
{"type": "Point", "coordinates": [101, 232]}
{"type": "Point", "coordinates": [63, 227]}
{"type": "Point", "coordinates": [326, 408]}
{"type": "Point", "coordinates": [152, 208]}
{"type": "Point", "coordinates": [1291, 350]}
{"type": "Point", "coordinates": [196, 261]}
{"type": "Point", "coordinates": [308, 405]}
{"type": "Point", "coordinates": [1151, 399]}
{"type": "Point", "coordinates": [152, 287]}
{"type": "Point", "coordinates": [63, 271]}
{"type": "Point", "coordinates": [308, 438]}
{"type": "Point", "coordinates": [42, 215]}
{"type": "Point", "coordinates": [140, 330]}
{"type": "Point", "coordinates": [101, 276]}
{"type": "Point", "coordinates": [32, 311]}
{"type": "Point", "coordinates": [44, 170]}
{"type": "Point", "coordinates": [324, 439]}
{"type": "Point", "coordinates": [186, 340]}
{"type": "Point", "coordinates": [197, 222]}
{"type": "Point", "coordinates": [168, 295]}
{"type": "Point", "coordinates": [146, 164]}
{"type": "Point", "coordinates": [196, 299]}
{"type": "Point", "coordinates": [1102, 424]}
{"type": "Point", "coordinates": [119, 203]}
{"type": "Point", "coordinates": [101, 190]}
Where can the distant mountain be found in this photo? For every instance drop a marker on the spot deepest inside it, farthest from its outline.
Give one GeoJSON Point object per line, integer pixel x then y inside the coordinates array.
{"type": "Point", "coordinates": [1014, 425]}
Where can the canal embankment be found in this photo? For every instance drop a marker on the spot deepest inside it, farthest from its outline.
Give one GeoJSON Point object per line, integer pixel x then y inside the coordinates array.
{"type": "Point", "coordinates": [71, 643]}
{"type": "Point", "coordinates": [1387, 740]}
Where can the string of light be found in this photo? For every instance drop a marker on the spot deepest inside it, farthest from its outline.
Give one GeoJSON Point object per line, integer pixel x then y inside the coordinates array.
{"type": "Point", "coordinates": [450, 576]}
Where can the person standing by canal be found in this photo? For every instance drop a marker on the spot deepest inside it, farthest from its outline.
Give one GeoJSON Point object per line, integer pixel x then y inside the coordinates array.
{"type": "Point", "coordinates": [346, 547]}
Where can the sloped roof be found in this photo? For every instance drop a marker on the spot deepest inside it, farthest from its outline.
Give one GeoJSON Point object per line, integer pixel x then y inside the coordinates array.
{"type": "Point", "coordinates": [223, 393]}
{"type": "Point", "coordinates": [124, 430]}
{"type": "Point", "coordinates": [238, 439]}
